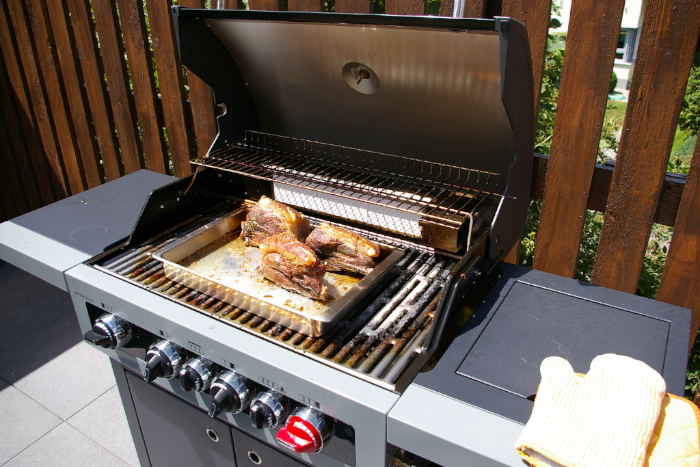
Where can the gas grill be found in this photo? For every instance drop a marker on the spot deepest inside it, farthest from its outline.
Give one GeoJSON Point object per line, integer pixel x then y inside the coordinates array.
{"type": "Point", "coordinates": [416, 133]}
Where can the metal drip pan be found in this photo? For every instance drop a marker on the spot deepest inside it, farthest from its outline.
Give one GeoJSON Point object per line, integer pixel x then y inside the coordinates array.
{"type": "Point", "coordinates": [215, 262]}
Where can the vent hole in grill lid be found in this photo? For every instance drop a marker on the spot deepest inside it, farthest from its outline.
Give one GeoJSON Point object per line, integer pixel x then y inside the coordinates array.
{"type": "Point", "coordinates": [360, 78]}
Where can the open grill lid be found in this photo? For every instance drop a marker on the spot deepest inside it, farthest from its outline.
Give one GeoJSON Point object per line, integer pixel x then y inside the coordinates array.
{"type": "Point", "coordinates": [452, 91]}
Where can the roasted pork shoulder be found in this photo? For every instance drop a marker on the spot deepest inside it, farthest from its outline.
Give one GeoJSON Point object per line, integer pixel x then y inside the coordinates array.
{"type": "Point", "coordinates": [268, 217]}
{"type": "Point", "coordinates": [343, 250]}
{"type": "Point", "coordinates": [293, 265]}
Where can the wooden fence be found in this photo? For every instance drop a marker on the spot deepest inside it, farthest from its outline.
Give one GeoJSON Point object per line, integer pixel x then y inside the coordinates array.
{"type": "Point", "coordinates": [77, 112]}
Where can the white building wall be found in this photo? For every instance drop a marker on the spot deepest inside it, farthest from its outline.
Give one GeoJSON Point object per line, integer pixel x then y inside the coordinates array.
{"type": "Point", "coordinates": [632, 18]}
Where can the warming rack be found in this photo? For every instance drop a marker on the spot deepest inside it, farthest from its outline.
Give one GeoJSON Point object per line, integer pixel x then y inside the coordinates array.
{"type": "Point", "coordinates": [437, 193]}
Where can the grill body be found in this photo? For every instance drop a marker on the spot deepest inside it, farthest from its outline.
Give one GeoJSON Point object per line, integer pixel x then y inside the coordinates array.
{"type": "Point", "coordinates": [429, 154]}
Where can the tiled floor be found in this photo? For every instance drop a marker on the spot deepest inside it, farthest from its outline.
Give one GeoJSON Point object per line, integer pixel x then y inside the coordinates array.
{"type": "Point", "coordinates": [59, 404]}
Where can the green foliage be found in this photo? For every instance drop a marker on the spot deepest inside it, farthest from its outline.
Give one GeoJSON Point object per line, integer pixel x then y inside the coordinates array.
{"type": "Point", "coordinates": [608, 136]}
{"type": "Point", "coordinates": [681, 153]}
{"type": "Point", "coordinates": [433, 7]}
{"type": "Point", "coordinates": [654, 260]}
{"type": "Point", "coordinates": [592, 226]}
{"type": "Point", "coordinates": [551, 77]}
{"type": "Point", "coordinates": [613, 82]}
{"type": "Point", "coordinates": [679, 162]}
{"type": "Point", "coordinates": [689, 118]}
{"type": "Point", "coordinates": [527, 243]}
{"type": "Point", "coordinates": [692, 377]}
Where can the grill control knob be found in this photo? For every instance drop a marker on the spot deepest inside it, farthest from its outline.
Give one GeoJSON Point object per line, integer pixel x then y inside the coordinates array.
{"type": "Point", "coordinates": [268, 409]}
{"type": "Point", "coordinates": [197, 374]}
{"type": "Point", "coordinates": [110, 332]}
{"type": "Point", "coordinates": [305, 432]}
{"type": "Point", "coordinates": [230, 392]}
{"type": "Point", "coordinates": [163, 360]}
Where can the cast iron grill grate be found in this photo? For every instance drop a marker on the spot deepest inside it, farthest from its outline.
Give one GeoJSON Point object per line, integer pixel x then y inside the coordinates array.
{"type": "Point", "coordinates": [377, 342]}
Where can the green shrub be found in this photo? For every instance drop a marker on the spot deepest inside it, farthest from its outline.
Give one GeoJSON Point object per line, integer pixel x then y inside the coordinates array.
{"type": "Point", "coordinates": [613, 82]}
{"type": "Point", "coordinates": [551, 76]}
{"type": "Point", "coordinates": [689, 118]}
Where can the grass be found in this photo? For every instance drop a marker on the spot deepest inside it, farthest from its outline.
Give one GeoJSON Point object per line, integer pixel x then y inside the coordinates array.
{"type": "Point", "coordinates": [616, 109]}
{"type": "Point", "coordinates": [678, 139]}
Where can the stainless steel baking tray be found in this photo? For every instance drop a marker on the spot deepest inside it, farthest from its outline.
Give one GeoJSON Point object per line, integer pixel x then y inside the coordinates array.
{"type": "Point", "coordinates": [214, 261]}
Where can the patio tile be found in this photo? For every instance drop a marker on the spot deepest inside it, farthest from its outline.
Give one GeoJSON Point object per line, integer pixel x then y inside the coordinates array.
{"type": "Point", "coordinates": [114, 435]}
{"type": "Point", "coordinates": [22, 422]}
{"type": "Point", "coordinates": [39, 348]}
{"type": "Point", "coordinates": [29, 305]}
{"type": "Point", "coordinates": [64, 446]}
{"type": "Point", "coordinates": [70, 381]}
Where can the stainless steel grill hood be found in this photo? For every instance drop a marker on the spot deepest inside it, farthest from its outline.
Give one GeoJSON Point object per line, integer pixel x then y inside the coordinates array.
{"type": "Point", "coordinates": [455, 92]}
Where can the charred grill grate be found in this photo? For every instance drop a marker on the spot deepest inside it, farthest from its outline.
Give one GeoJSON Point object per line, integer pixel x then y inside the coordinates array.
{"type": "Point", "coordinates": [377, 342]}
{"type": "Point", "coordinates": [436, 193]}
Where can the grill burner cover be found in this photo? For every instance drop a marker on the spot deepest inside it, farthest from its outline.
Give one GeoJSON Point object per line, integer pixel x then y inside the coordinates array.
{"type": "Point", "coordinates": [533, 323]}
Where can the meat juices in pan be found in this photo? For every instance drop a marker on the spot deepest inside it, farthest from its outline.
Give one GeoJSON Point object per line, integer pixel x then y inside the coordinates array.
{"type": "Point", "coordinates": [343, 250]}
{"type": "Point", "coordinates": [269, 217]}
{"type": "Point", "coordinates": [293, 265]}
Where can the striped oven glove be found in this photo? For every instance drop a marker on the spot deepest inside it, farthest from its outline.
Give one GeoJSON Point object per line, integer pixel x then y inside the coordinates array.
{"type": "Point", "coordinates": [603, 419]}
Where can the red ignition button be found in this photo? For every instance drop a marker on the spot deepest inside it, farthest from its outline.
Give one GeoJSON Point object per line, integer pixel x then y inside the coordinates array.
{"type": "Point", "coordinates": [299, 436]}
{"type": "Point", "coordinates": [305, 431]}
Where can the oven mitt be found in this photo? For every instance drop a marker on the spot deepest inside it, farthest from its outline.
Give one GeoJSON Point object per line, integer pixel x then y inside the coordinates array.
{"type": "Point", "coordinates": [676, 438]}
{"type": "Point", "coordinates": [605, 419]}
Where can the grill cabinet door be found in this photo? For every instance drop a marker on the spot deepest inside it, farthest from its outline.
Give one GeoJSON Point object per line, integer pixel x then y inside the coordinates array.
{"type": "Point", "coordinates": [177, 434]}
{"type": "Point", "coordinates": [251, 452]}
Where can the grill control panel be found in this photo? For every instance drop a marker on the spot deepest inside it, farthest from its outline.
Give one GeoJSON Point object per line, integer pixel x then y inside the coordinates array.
{"type": "Point", "coordinates": [295, 425]}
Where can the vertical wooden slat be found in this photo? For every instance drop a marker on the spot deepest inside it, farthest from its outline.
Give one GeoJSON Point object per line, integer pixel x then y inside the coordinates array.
{"type": "Point", "coordinates": [680, 281]}
{"type": "Point", "coordinates": [75, 93]}
{"type": "Point", "coordinates": [202, 103]}
{"type": "Point", "coordinates": [15, 148]}
{"type": "Point", "coordinates": [666, 49]}
{"type": "Point", "coordinates": [120, 98]}
{"type": "Point", "coordinates": [446, 7]}
{"type": "Point", "coordinates": [11, 190]}
{"type": "Point", "coordinates": [472, 8]}
{"type": "Point", "coordinates": [475, 9]}
{"type": "Point", "coordinates": [171, 86]}
{"type": "Point", "coordinates": [265, 4]}
{"type": "Point", "coordinates": [590, 51]}
{"type": "Point", "coordinates": [3, 215]}
{"type": "Point", "coordinates": [534, 14]}
{"type": "Point", "coordinates": [138, 53]}
{"type": "Point", "coordinates": [305, 5]}
{"type": "Point", "coordinates": [32, 108]}
{"type": "Point", "coordinates": [94, 86]}
{"type": "Point", "coordinates": [406, 7]}
{"type": "Point", "coordinates": [354, 6]}
{"type": "Point", "coordinates": [51, 80]}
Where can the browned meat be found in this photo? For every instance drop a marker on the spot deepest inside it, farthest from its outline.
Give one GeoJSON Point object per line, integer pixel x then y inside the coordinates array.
{"type": "Point", "coordinates": [293, 265]}
{"type": "Point", "coordinates": [269, 217]}
{"type": "Point", "coordinates": [343, 250]}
